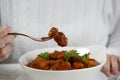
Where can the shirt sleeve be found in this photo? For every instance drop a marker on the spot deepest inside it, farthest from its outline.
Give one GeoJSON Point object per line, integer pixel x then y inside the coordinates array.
{"type": "Point", "coordinates": [113, 20]}
{"type": "Point", "coordinates": [114, 40]}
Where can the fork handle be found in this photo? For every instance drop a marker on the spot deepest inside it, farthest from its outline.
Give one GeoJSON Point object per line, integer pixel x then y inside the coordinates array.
{"type": "Point", "coordinates": [21, 34]}
{"type": "Point", "coordinates": [33, 38]}
{"type": "Point", "coordinates": [17, 34]}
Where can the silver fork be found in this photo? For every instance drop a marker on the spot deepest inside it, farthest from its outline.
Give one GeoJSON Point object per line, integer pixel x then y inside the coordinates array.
{"type": "Point", "coordinates": [42, 39]}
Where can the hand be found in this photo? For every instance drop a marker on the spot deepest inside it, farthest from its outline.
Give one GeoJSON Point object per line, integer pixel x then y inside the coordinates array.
{"type": "Point", "coordinates": [112, 65]}
{"type": "Point", "coordinates": [5, 43]}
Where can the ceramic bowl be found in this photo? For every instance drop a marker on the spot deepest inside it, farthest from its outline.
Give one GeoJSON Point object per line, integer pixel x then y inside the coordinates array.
{"type": "Point", "coordinates": [97, 52]}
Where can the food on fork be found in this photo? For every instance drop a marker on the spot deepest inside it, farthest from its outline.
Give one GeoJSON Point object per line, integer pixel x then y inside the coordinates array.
{"type": "Point", "coordinates": [59, 37]}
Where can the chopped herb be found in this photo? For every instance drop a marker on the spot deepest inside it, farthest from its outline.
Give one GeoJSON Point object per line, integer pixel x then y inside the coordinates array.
{"type": "Point", "coordinates": [44, 55]}
{"type": "Point", "coordinates": [67, 55]}
{"type": "Point", "coordinates": [85, 57]}
{"type": "Point", "coordinates": [74, 53]}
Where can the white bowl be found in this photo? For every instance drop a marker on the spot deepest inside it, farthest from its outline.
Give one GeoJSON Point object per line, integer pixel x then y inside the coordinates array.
{"type": "Point", "coordinates": [97, 52]}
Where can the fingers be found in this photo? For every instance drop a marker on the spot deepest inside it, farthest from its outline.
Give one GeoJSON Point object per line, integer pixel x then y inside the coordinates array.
{"type": "Point", "coordinates": [119, 63]}
{"type": "Point", "coordinates": [114, 65]}
{"type": "Point", "coordinates": [6, 39]}
{"type": "Point", "coordinates": [5, 51]}
{"type": "Point", "coordinates": [4, 31]}
{"type": "Point", "coordinates": [5, 46]}
{"type": "Point", "coordinates": [106, 67]}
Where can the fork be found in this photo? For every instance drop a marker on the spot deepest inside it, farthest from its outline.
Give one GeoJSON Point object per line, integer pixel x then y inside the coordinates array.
{"type": "Point", "coordinates": [42, 39]}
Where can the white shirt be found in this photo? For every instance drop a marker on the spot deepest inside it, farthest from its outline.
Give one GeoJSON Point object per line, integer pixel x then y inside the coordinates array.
{"type": "Point", "coordinates": [84, 22]}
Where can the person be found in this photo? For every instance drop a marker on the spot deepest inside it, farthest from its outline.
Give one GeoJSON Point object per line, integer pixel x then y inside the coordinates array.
{"type": "Point", "coordinates": [84, 22]}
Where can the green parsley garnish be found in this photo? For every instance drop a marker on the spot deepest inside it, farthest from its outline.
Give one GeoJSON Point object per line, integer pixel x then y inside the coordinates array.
{"type": "Point", "coordinates": [44, 55]}
{"type": "Point", "coordinates": [67, 55]}
{"type": "Point", "coordinates": [74, 53]}
{"type": "Point", "coordinates": [85, 57]}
